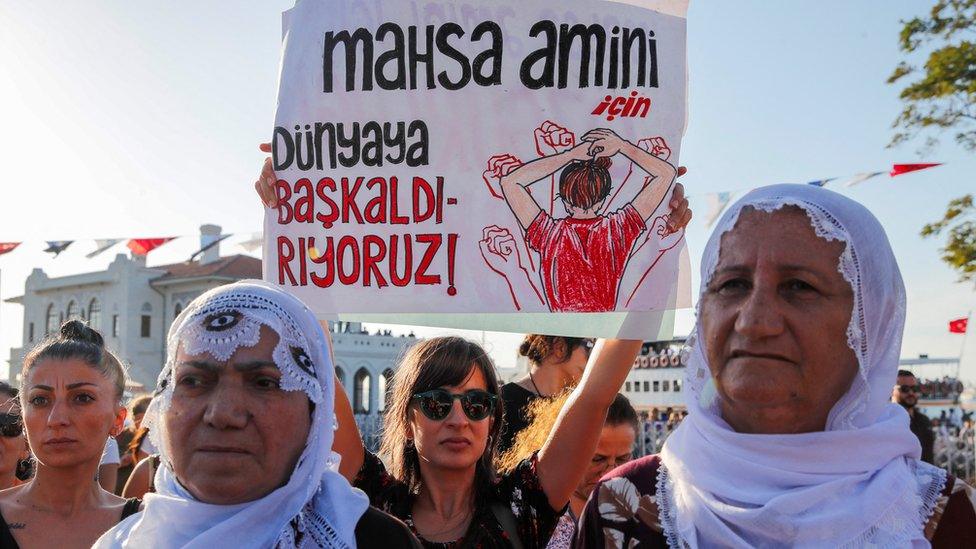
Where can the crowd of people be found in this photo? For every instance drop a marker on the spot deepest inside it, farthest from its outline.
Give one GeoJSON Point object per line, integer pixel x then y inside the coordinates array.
{"type": "Point", "coordinates": [947, 387]}
{"type": "Point", "coordinates": [790, 436]}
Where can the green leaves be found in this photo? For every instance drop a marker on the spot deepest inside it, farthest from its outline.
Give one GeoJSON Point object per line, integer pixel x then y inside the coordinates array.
{"type": "Point", "coordinates": [960, 249]}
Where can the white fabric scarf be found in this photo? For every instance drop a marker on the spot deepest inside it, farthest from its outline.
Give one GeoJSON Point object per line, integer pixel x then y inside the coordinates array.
{"type": "Point", "coordinates": [859, 482]}
{"type": "Point", "coordinates": [317, 507]}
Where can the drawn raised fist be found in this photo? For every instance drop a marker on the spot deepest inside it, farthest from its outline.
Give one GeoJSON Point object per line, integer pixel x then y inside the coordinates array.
{"type": "Point", "coordinates": [551, 138]}
{"type": "Point", "coordinates": [499, 166]}
{"type": "Point", "coordinates": [499, 250]}
{"type": "Point", "coordinates": [656, 146]}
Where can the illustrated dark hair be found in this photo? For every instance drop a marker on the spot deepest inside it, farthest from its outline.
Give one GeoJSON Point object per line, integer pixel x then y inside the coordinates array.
{"type": "Point", "coordinates": [76, 340]}
{"type": "Point", "coordinates": [585, 183]}
{"type": "Point", "coordinates": [433, 363]}
{"type": "Point", "coordinates": [537, 348]}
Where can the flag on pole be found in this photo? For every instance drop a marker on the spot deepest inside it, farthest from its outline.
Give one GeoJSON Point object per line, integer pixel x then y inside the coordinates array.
{"type": "Point", "coordinates": [899, 169]}
{"type": "Point", "coordinates": [958, 326]}
{"type": "Point", "coordinates": [7, 247]}
{"type": "Point", "coordinates": [861, 178]}
{"type": "Point", "coordinates": [716, 203]}
{"type": "Point", "coordinates": [55, 247]}
{"type": "Point", "coordinates": [142, 246]}
{"type": "Point", "coordinates": [103, 245]}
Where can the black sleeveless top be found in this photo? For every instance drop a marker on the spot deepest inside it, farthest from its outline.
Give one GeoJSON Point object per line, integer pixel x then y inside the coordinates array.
{"type": "Point", "coordinates": [7, 540]}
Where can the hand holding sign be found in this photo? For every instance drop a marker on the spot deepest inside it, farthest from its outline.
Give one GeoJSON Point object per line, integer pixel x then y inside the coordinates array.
{"type": "Point", "coordinates": [499, 166]}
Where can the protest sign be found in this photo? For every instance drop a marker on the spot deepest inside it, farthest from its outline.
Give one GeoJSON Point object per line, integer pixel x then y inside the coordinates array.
{"type": "Point", "coordinates": [481, 158]}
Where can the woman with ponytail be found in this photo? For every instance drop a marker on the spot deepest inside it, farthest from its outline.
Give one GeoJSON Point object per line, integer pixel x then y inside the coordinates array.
{"type": "Point", "coordinates": [584, 254]}
{"type": "Point", "coordinates": [71, 402]}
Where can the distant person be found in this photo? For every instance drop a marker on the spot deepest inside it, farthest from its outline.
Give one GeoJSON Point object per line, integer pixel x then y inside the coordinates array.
{"type": "Point", "coordinates": [13, 445]}
{"type": "Point", "coordinates": [615, 447]}
{"type": "Point", "coordinates": [131, 440]}
{"type": "Point", "coordinates": [72, 403]}
{"type": "Point", "coordinates": [555, 364]}
{"type": "Point", "coordinates": [906, 393]}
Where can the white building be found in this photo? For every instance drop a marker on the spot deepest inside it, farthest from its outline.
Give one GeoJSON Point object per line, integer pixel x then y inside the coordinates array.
{"type": "Point", "coordinates": [132, 305]}
{"type": "Point", "coordinates": [657, 380]}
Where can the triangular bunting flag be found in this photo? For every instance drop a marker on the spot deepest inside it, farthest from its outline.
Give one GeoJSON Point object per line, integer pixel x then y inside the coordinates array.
{"type": "Point", "coordinates": [254, 243]}
{"type": "Point", "coordinates": [7, 247]}
{"type": "Point", "coordinates": [958, 326]}
{"type": "Point", "coordinates": [899, 169]}
{"type": "Point", "coordinates": [142, 246]}
{"type": "Point", "coordinates": [208, 246]}
{"type": "Point", "coordinates": [821, 182]}
{"type": "Point", "coordinates": [860, 178]}
{"type": "Point", "coordinates": [55, 247]}
{"type": "Point", "coordinates": [103, 245]}
{"type": "Point", "coordinates": [716, 203]}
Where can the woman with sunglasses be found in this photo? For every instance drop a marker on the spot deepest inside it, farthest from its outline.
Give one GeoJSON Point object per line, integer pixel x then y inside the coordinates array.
{"type": "Point", "coordinates": [440, 439]}
{"type": "Point", "coordinates": [555, 363]}
{"type": "Point", "coordinates": [13, 445]}
{"type": "Point", "coordinates": [72, 402]}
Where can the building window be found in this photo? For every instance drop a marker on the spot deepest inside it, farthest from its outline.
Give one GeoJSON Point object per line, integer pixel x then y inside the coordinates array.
{"type": "Point", "coordinates": [115, 325]}
{"type": "Point", "coordinates": [667, 385]}
{"type": "Point", "coordinates": [341, 374]}
{"type": "Point", "coordinates": [627, 387]}
{"type": "Point", "coordinates": [677, 385]}
{"type": "Point", "coordinates": [177, 310]}
{"type": "Point", "coordinates": [145, 326]}
{"type": "Point", "coordinates": [73, 310]}
{"type": "Point", "coordinates": [647, 386]}
{"type": "Point", "coordinates": [386, 380]}
{"type": "Point", "coordinates": [637, 386]}
{"type": "Point", "coordinates": [360, 393]}
{"type": "Point", "coordinates": [30, 332]}
{"type": "Point", "coordinates": [52, 320]}
{"type": "Point", "coordinates": [657, 386]}
{"type": "Point", "coordinates": [95, 314]}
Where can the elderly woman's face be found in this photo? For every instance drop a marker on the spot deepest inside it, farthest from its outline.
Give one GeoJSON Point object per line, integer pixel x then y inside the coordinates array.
{"type": "Point", "coordinates": [232, 433]}
{"type": "Point", "coordinates": [774, 321]}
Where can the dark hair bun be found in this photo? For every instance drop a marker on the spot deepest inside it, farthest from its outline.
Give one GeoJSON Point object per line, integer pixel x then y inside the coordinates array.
{"type": "Point", "coordinates": [602, 162]}
{"type": "Point", "coordinates": [77, 330]}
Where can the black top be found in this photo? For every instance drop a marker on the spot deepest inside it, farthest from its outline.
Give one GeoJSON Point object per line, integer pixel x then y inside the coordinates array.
{"type": "Point", "coordinates": [515, 399]}
{"type": "Point", "coordinates": [532, 518]}
{"type": "Point", "coordinates": [7, 540]}
{"type": "Point", "coordinates": [921, 425]}
{"type": "Point", "coordinates": [377, 529]}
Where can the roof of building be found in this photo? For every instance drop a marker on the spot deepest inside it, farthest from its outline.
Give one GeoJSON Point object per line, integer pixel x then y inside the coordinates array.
{"type": "Point", "coordinates": [234, 266]}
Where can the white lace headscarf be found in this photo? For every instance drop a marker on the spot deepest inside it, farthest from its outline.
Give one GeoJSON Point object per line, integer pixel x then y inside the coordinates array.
{"type": "Point", "coordinates": [857, 483]}
{"type": "Point", "coordinates": [317, 507]}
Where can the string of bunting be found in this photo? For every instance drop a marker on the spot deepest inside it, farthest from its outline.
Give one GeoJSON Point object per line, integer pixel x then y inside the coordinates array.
{"type": "Point", "coordinates": [716, 203]}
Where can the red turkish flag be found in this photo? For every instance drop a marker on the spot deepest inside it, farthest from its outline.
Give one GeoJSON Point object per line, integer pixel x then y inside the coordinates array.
{"type": "Point", "coordinates": [8, 247]}
{"type": "Point", "coordinates": [898, 169]}
{"type": "Point", "coordinates": [142, 246]}
{"type": "Point", "coordinates": [958, 326]}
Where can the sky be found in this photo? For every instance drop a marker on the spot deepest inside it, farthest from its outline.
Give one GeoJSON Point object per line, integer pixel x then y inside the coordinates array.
{"type": "Point", "coordinates": [125, 119]}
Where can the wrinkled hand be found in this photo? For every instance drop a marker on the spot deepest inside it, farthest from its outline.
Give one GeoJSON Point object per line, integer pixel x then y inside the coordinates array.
{"type": "Point", "coordinates": [656, 146]}
{"type": "Point", "coordinates": [551, 138]}
{"type": "Point", "coordinates": [266, 181]}
{"type": "Point", "coordinates": [679, 215]}
{"type": "Point", "coordinates": [499, 250]}
{"type": "Point", "coordinates": [499, 166]}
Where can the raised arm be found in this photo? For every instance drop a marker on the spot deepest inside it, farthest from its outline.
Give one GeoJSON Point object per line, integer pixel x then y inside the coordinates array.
{"type": "Point", "coordinates": [662, 175]}
{"type": "Point", "coordinates": [514, 185]}
{"type": "Point", "coordinates": [348, 443]}
{"type": "Point", "coordinates": [572, 442]}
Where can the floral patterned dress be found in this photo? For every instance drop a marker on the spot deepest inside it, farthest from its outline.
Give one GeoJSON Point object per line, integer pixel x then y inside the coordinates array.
{"type": "Point", "coordinates": [622, 511]}
{"type": "Point", "coordinates": [519, 490]}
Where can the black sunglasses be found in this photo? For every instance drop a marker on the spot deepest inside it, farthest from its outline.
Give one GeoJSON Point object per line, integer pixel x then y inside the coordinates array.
{"type": "Point", "coordinates": [908, 388]}
{"type": "Point", "coordinates": [436, 404]}
{"type": "Point", "coordinates": [11, 425]}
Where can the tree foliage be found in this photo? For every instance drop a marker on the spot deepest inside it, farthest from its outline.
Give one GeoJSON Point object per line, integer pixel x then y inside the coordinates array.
{"type": "Point", "coordinates": [941, 94]}
{"type": "Point", "coordinates": [960, 249]}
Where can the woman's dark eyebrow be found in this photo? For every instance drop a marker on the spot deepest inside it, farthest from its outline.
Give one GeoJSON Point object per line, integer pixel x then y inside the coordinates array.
{"type": "Point", "coordinates": [254, 365]}
{"type": "Point", "coordinates": [80, 384]}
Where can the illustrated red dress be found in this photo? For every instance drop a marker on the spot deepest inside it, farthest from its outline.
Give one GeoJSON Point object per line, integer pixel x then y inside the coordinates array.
{"type": "Point", "coordinates": [584, 259]}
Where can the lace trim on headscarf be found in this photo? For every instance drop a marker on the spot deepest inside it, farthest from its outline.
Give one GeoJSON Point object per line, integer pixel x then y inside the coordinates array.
{"type": "Point", "coordinates": [664, 497]}
{"type": "Point", "coordinates": [309, 530]}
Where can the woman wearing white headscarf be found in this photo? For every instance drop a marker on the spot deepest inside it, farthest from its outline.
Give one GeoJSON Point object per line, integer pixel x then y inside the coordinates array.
{"type": "Point", "coordinates": [791, 439]}
{"type": "Point", "coordinates": [243, 418]}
